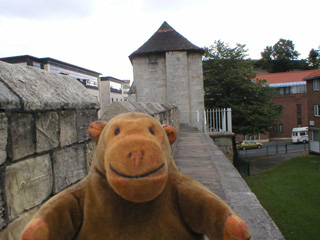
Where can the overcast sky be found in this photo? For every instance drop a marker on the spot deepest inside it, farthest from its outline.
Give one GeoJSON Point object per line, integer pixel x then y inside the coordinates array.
{"type": "Point", "coordinates": [101, 34]}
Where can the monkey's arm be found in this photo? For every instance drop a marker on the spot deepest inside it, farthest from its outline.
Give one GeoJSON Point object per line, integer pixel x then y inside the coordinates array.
{"type": "Point", "coordinates": [206, 213]}
{"type": "Point", "coordinates": [59, 218]}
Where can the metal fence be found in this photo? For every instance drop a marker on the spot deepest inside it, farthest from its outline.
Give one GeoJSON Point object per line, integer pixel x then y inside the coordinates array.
{"type": "Point", "coordinates": [274, 149]}
{"type": "Point", "coordinates": [218, 120]}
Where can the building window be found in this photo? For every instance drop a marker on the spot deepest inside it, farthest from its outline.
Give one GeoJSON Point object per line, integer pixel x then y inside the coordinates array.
{"type": "Point", "coordinates": [316, 85]}
{"type": "Point", "coordinates": [280, 91]}
{"type": "Point", "coordinates": [111, 99]}
{"type": "Point", "coordinates": [291, 90]}
{"type": "Point", "coordinates": [287, 90]}
{"type": "Point", "coordinates": [314, 136]}
{"type": "Point", "coordinates": [36, 65]}
{"type": "Point", "coordinates": [275, 128]}
{"type": "Point", "coordinates": [299, 114]}
{"type": "Point", "coordinates": [280, 128]}
{"type": "Point", "coordinates": [29, 62]}
{"type": "Point", "coordinates": [297, 89]}
{"type": "Point", "coordinates": [153, 59]}
{"type": "Point", "coordinates": [316, 110]}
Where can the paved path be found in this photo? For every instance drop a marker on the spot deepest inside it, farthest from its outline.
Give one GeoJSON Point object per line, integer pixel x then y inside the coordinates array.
{"type": "Point", "coordinates": [198, 157]}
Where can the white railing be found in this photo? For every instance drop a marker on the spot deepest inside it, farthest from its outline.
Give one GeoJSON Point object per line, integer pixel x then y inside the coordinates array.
{"type": "Point", "coordinates": [218, 120]}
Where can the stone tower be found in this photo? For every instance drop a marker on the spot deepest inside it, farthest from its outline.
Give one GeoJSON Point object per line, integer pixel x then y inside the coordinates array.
{"type": "Point", "coordinates": [168, 69]}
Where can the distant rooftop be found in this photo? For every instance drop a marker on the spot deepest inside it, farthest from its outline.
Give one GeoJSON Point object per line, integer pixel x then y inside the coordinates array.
{"type": "Point", "coordinates": [315, 74]}
{"type": "Point", "coordinates": [286, 78]}
{"type": "Point", "coordinates": [46, 60]}
{"type": "Point", "coordinates": [112, 79]}
{"type": "Point", "coordinates": [166, 39]}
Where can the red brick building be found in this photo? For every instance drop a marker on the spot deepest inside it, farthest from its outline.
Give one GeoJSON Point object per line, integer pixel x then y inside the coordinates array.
{"type": "Point", "coordinates": [292, 95]}
{"type": "Point", "coordinates": [313, 96]}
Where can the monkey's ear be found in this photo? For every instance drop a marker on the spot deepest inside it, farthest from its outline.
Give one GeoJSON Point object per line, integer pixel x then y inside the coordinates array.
{"type": "Point", "coordinates": [171, 133]}
{"type": "Point", "coordinates": [95, 129]}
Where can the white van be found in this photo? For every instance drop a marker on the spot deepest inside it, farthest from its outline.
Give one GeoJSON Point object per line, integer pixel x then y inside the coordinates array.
{"type": "Point", "coordinates": [300, 135]}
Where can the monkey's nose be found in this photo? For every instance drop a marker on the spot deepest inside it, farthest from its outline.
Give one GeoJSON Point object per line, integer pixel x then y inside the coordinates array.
{"type": "Point", "coordinates": [136, 158]}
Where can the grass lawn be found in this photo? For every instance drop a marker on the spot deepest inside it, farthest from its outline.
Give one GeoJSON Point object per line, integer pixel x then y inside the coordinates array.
{"type": "Point", "coordinates": [290, 192]}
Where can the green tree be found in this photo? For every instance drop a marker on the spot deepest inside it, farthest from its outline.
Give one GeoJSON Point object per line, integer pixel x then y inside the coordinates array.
{"type": "Point", "coordinates": [314, 58]}
{"type": "Point", "coordinates": [280, 57]}
{"type": "Point", "coordinates": [228, 82]}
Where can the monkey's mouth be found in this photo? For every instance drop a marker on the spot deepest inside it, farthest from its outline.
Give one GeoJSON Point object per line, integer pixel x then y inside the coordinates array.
{"type": "Point", "coordinates": [136, 176]}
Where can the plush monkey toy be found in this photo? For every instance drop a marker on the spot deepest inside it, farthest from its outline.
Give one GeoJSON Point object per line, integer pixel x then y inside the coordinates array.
{"type": "Point", "coordinates": [134, 191]}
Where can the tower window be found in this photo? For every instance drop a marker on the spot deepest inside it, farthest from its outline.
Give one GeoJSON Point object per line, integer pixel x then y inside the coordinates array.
{"type": "Point", "coordinates": [153, 59]}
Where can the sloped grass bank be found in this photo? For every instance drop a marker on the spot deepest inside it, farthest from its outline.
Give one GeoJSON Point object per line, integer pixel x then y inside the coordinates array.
{"type": "Point", "coordinates": [290, 192]}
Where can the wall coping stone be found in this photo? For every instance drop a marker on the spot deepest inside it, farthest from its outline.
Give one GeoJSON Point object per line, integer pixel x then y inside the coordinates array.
{"type": "Point", "coordinates": [239, 196]}
{"type": "Point", "coordinates": [29, 89]}
{"type": "Point", "coordinates": [127, 106]}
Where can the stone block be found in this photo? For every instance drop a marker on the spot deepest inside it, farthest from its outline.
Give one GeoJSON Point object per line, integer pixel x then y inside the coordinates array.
{"type": "Point", "coordinates": [69, 166]}
{"type": "Point", "coordinates": [27, 184]}
{"type": "Point", "coordinates": [84, 118]}
{"type": "Point", "coordinates": [261, 225]}
{"type": "Point", "coordinates": [3, 220]}
{"type": "Point", "coordinates": [90, 150]}
{"type": "Point", "coordinates": [3, 137]}
{"type": "Point", "coordinates": [141, 107]}
{"type": "Point", "coordinates": [22, 135]}
{"type": "Point", "coordinates": [116, 108]}
{"type": "Point", "coordinates": [47, 131]}
{"type": "Point", "coordinates": [8, 100]}
{"type": "Point", "coordinates": [14, 229]}
{"type": "Point", "coordinates": [68, 128]}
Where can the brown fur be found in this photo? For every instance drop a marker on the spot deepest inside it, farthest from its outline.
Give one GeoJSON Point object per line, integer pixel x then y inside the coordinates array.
{"type": "Point", "coordinates": [134, 191]}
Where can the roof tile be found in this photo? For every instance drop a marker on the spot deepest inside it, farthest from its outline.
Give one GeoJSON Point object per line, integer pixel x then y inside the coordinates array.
{"type": "Point", "coordinates": [316, 73]}
{"type": "Point", "coordinates": [286, 77]}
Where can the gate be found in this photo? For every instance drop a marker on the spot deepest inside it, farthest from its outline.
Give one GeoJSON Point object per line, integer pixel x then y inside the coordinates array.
{"type": "Point", "coordinates": [218, 120]}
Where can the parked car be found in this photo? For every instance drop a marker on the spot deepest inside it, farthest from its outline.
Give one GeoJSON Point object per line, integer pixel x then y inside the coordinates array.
{"type": "Point", "coordinates": [246, 144]}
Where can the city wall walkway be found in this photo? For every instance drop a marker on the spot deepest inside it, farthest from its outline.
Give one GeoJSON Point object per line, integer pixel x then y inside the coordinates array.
{"type": "Point", "coordinates": [199, 158]}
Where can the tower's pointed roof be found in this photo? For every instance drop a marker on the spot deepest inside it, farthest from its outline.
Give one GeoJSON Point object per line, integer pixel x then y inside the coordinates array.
{"type": "Point", "coordinates": [164, 40]}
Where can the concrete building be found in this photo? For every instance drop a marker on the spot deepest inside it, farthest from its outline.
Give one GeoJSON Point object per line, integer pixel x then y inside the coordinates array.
{"type": "Point", "coordinates": [168, 69]}
{"type": "Point", "coordinates": [313, 95]}
{"type": "Point", "coordinates": [112, 90]}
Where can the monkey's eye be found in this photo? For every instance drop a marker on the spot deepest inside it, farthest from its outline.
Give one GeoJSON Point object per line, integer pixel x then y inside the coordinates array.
{"type": "Point", "coordinates": [151, 131]}
{"type": "Point", "coordinates": [116, 131]}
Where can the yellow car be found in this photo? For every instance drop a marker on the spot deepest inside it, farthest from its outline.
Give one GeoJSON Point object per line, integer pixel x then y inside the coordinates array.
{"type": "Point", "coordinates": [246, 144]}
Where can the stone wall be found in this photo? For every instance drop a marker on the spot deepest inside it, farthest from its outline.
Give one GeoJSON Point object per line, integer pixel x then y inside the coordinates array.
{"type": "Point", "coordinates": [43, 140]}
{"type": "Point", "coordinates": [164, 113]}
{"type": "Point", "coordinates": [196, 91]}
{"type": "Point", "coordinates": [150, 79]}
{"type": "Point", "coordinates": [178, 84]}
{"type": "Point", "coordinates": [224, 143]}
